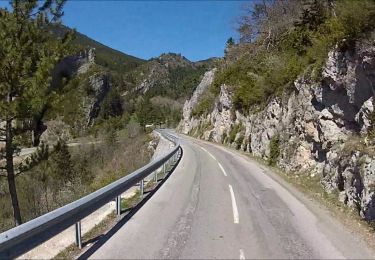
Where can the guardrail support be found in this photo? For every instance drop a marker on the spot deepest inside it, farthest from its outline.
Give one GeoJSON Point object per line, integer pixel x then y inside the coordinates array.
{"type": "Point", "coordinates": [164, 166]}
{"type": "Point", "coordinates": [118, 205]}
{"type": "Point", "coordinates": [78, 235]}
{"type": "Point", "coordinates": [142, 187]}
{"type": "Point", "coordinates": [156, 176]}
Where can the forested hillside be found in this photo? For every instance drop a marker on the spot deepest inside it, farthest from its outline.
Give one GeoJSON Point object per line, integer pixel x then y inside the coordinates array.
{"type": "Point", "coordinates": [105, 56]}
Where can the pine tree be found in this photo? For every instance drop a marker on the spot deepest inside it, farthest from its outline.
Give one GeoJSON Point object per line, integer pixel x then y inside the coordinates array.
{"type": "Point", "coordinates": [61, 162]}
{"type": "Point", "coordinates": [28, 53]}
{"type": "Point", "coordinates": [230, 42]}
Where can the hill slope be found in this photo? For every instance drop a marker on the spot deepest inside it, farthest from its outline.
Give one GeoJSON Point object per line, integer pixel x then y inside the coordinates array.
{"type": "Point", "coordinates": [105, 56]}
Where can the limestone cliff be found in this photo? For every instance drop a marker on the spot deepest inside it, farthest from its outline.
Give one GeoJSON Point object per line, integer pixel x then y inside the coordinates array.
{"type": "Point", "coordinates": [319, 128]}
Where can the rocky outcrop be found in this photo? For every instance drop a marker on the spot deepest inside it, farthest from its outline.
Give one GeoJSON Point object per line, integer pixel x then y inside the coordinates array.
{"type": "Point", "coordinates": [82, 66]}
{"type": "Point", "coordinates": [100, 85]}
{"type": "Point", "coordinates": [166, 71]}
{"type": "Point", "coordinates": [71, 65]}
{"type": "Point", "coordinates": [320, 126]}
{"type": "Point", "coordinates": [157, 71]}
{"type": "Point", "coordinates": [55, 130]}
{"type": "Point", "coordinates": [186, 124]}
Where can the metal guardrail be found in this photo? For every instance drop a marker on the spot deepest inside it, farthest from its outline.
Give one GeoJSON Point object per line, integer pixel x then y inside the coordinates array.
{"type": "Point", "coordinates": [23, 238]}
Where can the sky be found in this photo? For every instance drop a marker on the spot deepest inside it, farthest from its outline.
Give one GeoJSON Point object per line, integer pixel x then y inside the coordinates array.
{"type": "Point", "coordinates": [145, 29]}
{"type": "Point", "coordinates": [197, 29]}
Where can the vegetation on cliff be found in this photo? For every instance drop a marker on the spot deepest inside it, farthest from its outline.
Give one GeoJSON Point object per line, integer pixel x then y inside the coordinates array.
{"type": "Point", "coordinates": [280, 41]}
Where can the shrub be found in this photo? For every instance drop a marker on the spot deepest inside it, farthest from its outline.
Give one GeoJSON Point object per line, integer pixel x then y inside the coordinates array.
{"type": "Point", "coordinates": [205, 104]}
{"type": "Point", "coordinates": [233, 132]}
{"type": "Point", "coordinates": [240, 140]}
{"type": "Point", "coordinates": [274, 150]}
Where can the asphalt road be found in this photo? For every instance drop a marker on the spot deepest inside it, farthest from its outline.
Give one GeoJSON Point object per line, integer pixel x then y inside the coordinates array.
{"type": "Point", "coordinates": [221, 204]}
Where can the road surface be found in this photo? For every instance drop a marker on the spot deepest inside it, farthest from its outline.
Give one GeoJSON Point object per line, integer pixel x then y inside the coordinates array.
{"type": "Point", "coordinates": [221, 204]}
{"type": "Point", "coordinates": [28, 151]}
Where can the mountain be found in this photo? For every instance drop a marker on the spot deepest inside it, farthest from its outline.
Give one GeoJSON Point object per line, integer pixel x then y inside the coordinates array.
{"type": "Point", "coordinates": [103, 84]}
{"type": "Point", "coordinates": [105, 56]}
{"type": "Point", "coordinates": [156, 90]}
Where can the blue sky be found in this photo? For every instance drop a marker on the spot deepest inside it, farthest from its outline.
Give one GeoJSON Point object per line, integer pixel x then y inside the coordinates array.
{"type": "Point", "coordinates": [196, 29]}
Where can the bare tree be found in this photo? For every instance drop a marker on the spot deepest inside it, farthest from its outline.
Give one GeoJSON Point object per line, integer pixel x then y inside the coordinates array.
{"type": "Point", "coordinates": [268, 21]}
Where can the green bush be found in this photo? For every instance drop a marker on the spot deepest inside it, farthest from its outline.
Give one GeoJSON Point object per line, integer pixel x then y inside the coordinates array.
{"type": "Point", "coordinates": [205, 104]}
{"type": "Point", "coordinates": [274, 150]}
{"type": "Point", "coordinates": [233, 132]}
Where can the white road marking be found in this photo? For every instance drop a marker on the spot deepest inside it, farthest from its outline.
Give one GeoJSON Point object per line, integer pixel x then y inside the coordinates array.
{"type": "Point", "coordinates": [222, 169]}
{"type": "Point", "coordinates": [236, 218]}
{"type": "Point", "coordinates": [213, 157]}
{"type": "Point", "coordinates": [242, 255]}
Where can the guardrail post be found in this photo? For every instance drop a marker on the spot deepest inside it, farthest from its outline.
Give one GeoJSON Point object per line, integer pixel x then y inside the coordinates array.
{"type": "Point", "coordinates": [78, 235]}
{"type": "Point", "coordinates": [156, 175]}
{"type": "Point", "coordinates": [164, 169]}
{"type": "Point", "coordinates": [118, 205]}
{"type": "Point", "coordinates": [142, 187]}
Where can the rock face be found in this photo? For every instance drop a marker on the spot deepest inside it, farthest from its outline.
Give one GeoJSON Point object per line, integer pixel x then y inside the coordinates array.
{"type": "Point", "coordinates": [186, 124]}
{"type": "Point", "coordinates": [100, 85]}
{"type": "Point", "coordinates": [320, 126]}
{"type": "Point", "coordinates": [72, 65]}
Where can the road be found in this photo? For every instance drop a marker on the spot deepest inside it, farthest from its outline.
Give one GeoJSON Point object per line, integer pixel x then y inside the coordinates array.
{"type": "Point", "coordinates": [28, 151]}
{"type": "Point", "coordinates": [221, 204]}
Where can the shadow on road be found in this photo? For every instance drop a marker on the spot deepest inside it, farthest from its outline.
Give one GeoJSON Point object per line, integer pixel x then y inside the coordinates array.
{"type": "Point", "coordinates": [129, 212]}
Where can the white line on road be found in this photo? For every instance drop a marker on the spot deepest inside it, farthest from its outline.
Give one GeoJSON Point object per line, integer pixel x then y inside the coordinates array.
{"type": "Point", "coordinates": [222, 169]}
{"type": "Point", "coordinates": [242, 255]}
{"type": "Point", "coordinates": [236, 218]}
{"type": "Point", "coordinates": [213, 157]}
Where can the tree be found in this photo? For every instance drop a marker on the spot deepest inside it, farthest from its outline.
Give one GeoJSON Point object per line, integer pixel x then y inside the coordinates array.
{"type": "Point", "coordinates": [61, 165]}
{"type": "Point", "coordinates": [268, 21]}
{"type": "Point", "coordinates": [230, 42]}
{"type": "Point", "coordinates": [111, 105]}
{"type": "Point", "coordinates": [28, 53]}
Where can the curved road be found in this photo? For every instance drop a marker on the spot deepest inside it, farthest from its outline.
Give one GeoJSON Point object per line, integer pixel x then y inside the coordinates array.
{"type": "Point", "coordinates": [221, 204]}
